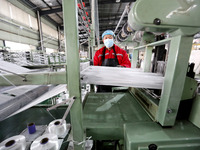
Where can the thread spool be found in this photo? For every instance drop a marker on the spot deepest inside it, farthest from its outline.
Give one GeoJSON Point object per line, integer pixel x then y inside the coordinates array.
{"type": "Point", "coordinates": [31, 128]}
{"type": "Point", "coordinates": [55, 127]}
{"type": "Point", "coordinates": [17, 142]}
{"type": "Point", "coordinates": [45, 142]}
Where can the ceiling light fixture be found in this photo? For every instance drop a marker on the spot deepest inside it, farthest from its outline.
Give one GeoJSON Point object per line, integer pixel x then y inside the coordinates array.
{"type": "Point", "coordinates": [117, 1]}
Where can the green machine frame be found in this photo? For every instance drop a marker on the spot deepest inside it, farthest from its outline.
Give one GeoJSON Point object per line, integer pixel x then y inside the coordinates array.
{"type": "Point", "coordinates": [73, 69]}
{"type": "Point", "coordinates": [168, 20]}
{"type": "Point", "coordinates": [123, 118]}
{"type": "Point", "coordinates": [179, 53]}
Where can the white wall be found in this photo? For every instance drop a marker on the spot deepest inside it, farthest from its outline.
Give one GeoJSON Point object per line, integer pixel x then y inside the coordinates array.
{"type": "Point", "coordinates": [18, 15]}
{"type": "Point", "coordinates": [17, 46]}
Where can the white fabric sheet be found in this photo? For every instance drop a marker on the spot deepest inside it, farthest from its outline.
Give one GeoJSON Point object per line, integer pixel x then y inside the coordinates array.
{"type": "Point", "coordinates": [116, 76]}
{"type": "Point", "coordinates": [13, 67]}
{"type": "Point", "coordinates": [55, 91]}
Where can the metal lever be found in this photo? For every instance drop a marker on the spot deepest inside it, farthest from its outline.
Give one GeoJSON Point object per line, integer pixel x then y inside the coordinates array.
{"type": "Point", "coordinates": [68, 109]}
{"type": "Point", "coordinates": [57, 105]}
{"type": "Point", "coordinates": [72, 99]}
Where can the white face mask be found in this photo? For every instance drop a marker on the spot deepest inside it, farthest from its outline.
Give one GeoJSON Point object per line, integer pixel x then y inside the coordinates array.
{"type": "Point", "coordinates": [108, 42]}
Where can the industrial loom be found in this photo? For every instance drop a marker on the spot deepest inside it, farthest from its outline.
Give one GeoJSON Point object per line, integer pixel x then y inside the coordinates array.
{"type": "Point", "coordinates": [156, 107]}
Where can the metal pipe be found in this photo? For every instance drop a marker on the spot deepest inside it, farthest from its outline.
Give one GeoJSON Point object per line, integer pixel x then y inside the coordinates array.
{"type": "Point", "coordinates": [158, 43]}
{"type": "Point", "coordinates": [59, 39]}
{"type": "Point", "coordinates": [57, 105]}
{"type": "Point", "coordinates": [68, 109]}
{"type": "Point", "coordinates": [123, 14]}
{"type": "Point", "coordinates": [97, 22]}
{"type": "Point", "coordinates": [40, 30]}
{"type": "Point", "coordinates": [93, 22]}
{"type": "Point", "coordinates": [89, 48]}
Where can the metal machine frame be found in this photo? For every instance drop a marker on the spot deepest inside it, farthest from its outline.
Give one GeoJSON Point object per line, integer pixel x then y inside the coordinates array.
{"type": "Point", "coordinates": [173, 87]}
{"type": "Point", "coordinates": [175, 75]}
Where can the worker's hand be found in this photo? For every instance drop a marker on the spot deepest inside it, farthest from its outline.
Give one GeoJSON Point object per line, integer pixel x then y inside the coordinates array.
{"type": "Point", "coordinates": [121, 66]}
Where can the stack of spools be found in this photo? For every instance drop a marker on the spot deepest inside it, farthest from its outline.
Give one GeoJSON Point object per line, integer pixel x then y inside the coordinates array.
{"type": "Point", "coordinates": [48, 141]}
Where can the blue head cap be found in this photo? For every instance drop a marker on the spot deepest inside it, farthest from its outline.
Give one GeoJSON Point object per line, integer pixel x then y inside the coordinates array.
{"type": "Point", "coordinates": [108, 32]}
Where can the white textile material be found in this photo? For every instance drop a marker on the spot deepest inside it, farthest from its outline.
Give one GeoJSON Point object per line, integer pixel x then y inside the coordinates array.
{"type": "Point", "coordinates": [12, 67]}
{"type": "Point", "coordinates": [84, 65]}
{"type": "Point", "coordinates": [116, 76]}
{"type": "Point", "coordinates": [55, 91]}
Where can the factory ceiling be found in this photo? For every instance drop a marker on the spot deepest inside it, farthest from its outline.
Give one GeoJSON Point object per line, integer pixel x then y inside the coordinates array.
{"type": "Point", "coordinates": [109, 12]}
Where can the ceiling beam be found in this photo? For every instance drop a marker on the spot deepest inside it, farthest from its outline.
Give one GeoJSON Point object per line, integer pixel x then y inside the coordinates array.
{"type": "Point", "coordinates": [111, 2]}
{"type": "Point", "coordinates": [51, 8]}
{"type": "Point", "coordinates": [50, 11]}
{"type": "Point", "coordinates": [29, 4]}
{"type": "Point", "coordinates": [111, 23]}
{"type": "Point", "coordinates": [109, 27]}
{"type": "Point", "coordinates": [107, 19]}
{"type": "Point", "coordinates": [114, 1]}
{"type": "Point", "coordinates": [82, 38]}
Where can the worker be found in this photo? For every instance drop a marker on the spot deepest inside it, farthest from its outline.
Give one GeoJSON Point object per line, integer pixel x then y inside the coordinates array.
{"type": "Point", "coordinates": [110, 55]}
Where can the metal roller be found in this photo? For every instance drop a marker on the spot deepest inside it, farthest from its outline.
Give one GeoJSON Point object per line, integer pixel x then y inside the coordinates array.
{"type": "Point", "coordinates": [127, 30]}
{"type": "Point", "coordinates": [121, 36]}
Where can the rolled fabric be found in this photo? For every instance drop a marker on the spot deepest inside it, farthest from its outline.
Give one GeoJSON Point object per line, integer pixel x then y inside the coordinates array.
{"type": "Point", "coordinates": [45, 142]}
{"type": "Point", "coordinates": [17, 142]}
{"type": "Point", "coordinates": [55, 127]}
